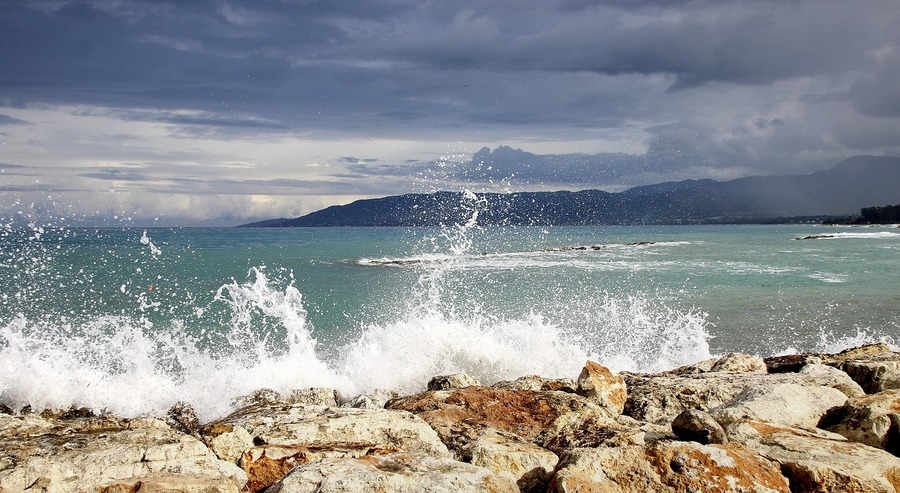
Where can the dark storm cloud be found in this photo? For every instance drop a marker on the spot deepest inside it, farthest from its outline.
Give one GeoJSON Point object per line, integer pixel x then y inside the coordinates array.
{"type": "Point", "coordinates": [679, 86]}
{"type": "Point", "coordinates": [308, 63]}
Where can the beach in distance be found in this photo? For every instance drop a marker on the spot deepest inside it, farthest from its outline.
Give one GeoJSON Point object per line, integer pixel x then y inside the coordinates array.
{"type": "Point", "coordinates": [132, 320]}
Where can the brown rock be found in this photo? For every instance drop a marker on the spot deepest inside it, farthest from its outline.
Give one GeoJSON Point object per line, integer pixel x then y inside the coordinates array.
{"type": "Point", "coordinates": [667, 467]}
{"type": "Point", "coordinates": [460, 416]}
{"type": "Point", "coordinates": [790, 363]}
{"type": "Point", "coordinates": [607, 389]}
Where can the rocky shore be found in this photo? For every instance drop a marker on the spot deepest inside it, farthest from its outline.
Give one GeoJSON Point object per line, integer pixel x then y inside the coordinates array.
{"type": "Point", "coordinates": [812, 422]}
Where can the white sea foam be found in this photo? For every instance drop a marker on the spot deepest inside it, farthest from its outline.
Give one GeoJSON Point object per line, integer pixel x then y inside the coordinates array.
{"type": "Point", "coordinates": [129, 366]}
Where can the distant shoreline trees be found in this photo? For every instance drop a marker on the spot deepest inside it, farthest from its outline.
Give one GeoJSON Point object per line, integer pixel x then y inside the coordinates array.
{"type": "Point", "coordinates": [889, 214]}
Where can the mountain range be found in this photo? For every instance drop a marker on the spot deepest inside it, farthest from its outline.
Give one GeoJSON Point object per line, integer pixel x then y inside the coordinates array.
{"type": "Point", "coordinates": [841, 191]}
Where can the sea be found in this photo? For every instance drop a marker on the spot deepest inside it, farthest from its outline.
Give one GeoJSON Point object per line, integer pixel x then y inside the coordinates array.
{"type": "Point", "coordinates": [130, 321]}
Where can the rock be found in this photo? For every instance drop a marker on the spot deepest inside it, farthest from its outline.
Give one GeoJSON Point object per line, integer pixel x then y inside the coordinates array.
{"type": "Point", "coordinates": [85, 454]}
{"type": "Point", "coordinates": [594, 430]}
{"type": "Point", "coordinates": [659, 398]}
{"type": "Point", "coordinates": [876, 373]}
{"type": "Point", "coordinates": [737, 362]}
{"type": "Point", "coordinates": [373, 400]}
{"type": "Point", "coordinates": [460, 416]}
{"type": "Point", "coordinates": [284, 436]}
{"type": "Point", "coordinates": [873, 420]}
{"type": "Point", "coordinates": [697, 426]}
{"type": "Point", "coordinates": [455, 381]}
{"type": "Point", "coordinates": [392, 473]}
{"type": "Point", "coordinates": [607, 389]}
{"type": "Point", "coordinates": [865, 351]}
{"type": "Point", "coordinates": [168, 483]}
{"type": "Point", "coordinates": [534, 382]}
{"type": "Point", "coordinates": [313, 396]}
{"type": "Point", "coordinates": [817, 460]}
{"type": "Point", "coordinates": [828, 376]}
{"type": "Point", "coordinates": [528, 465]}
{"type": "Point", "coordinates": [182, 417]}
{"type": "Point", "coordinates": [783, 403]}
{"type": "Point", "coordinates": [667, 467]}
{"type": "Point", "coordinates": [228, 442]}
{"type": "Point", "coordinates": [790, 363]}
{"type": "Point", "coordinates": [704, 366]}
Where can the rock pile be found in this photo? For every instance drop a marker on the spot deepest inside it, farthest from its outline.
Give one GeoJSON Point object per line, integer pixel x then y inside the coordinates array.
{"type": "Point", "coordinates": [813, 422]}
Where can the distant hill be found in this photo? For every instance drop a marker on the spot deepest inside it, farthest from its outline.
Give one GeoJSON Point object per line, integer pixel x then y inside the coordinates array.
{"type": "Point", "coordinates": [854, 184]}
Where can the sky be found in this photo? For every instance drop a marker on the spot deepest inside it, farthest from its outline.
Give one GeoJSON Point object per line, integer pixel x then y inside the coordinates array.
{"type": "Point", "coordinates": [208, 112]}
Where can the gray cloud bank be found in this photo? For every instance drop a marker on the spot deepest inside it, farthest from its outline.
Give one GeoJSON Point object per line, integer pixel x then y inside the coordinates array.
{"type": "Point", "coordinates": [654, 90]}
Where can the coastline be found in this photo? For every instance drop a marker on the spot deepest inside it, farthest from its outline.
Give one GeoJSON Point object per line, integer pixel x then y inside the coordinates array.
{"type": "Point", "coordinates": [808, 422]}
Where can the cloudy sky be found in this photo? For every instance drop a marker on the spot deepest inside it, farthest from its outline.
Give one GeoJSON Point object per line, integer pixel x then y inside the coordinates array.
{"type": "Point", "coordinates": [221, 112]}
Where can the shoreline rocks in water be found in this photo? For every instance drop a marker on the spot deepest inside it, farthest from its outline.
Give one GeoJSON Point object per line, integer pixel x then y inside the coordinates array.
{"type": "Point", "coordinates": [813, 422]}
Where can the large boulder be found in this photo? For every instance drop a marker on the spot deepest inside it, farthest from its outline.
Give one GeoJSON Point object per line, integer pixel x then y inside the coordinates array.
{"type": "Point", "coordinates": [276, 438]}
{"type": "Point", "coordinates": [784, 403]}
{"type": "Point", "coordinates": [392, 473]}
{"type": "Point", "coordinates": [740, 363]}
{"type": "Point", "coordinates": [525, 463]}
{"type": "Point", "coordinates": [873, 420]}
{"type": "Point", "coordinates": [660, 398]}
{"type": "Point", "coordinates": [876, 373]}
{"type": "Point", "coordinates": [817, 460]}
{"type": "Point", "coordinates": [92, 453]}
{"type": "Point", "coordinates": [666, 466]}
{"type": "Point", "coordinates": [694, 425]}
{"type": "Point", "coordinates": [460, 416]}
{"type": "Point", "coordinates": [607, 389]}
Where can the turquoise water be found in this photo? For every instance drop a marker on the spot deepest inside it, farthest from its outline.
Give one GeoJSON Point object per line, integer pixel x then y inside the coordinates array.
{"type": "Point", "coordinates": [133, 320]}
